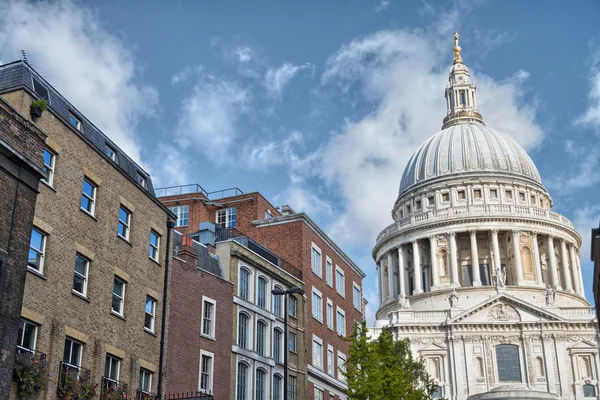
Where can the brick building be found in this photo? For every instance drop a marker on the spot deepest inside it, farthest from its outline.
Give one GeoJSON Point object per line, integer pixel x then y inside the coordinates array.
{"type": "Point", "coordinates": [333, 282]}
{"type": "Point", "coordinates": [93, 299]}
{"type": "Point", "coordinates": [21, 165]}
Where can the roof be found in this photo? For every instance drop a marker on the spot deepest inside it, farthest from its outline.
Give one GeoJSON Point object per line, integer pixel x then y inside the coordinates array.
{"type": "Point", "coordinates": [206, 261]}
{"type": "Point", "coordinates": [20, 75]}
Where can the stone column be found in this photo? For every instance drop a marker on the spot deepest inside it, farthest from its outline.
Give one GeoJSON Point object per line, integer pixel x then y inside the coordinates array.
{"type": "Point", "coordinates": [495, 249]}
{"type": "Point", "coordinates": [391, 275]}
{"type": "Point", "coordinates": [401, 272]}
{"type": "Point", "coordinates": [454, 280]}
{"type": "Point", "coordinates": [577, 258]}
{"type": "Point", "coordinates": [417, 268]}
{"type": "Point", "coordinates": [475, 259]}
{"type": "Point", "coordinates": [574, 269]}
{"type": "Point", "coordinates": [536, 259]}
{"type": "Point", "coordinates": [517, 253]}
{"type": "Point", "coordinates": [379, 289]}
{"type": "Point", "coordinates": [552, 261]}
{"type": "Point", "coordinates": [435, 280]}
{"type": "Point", "coordinates": [565, 267]}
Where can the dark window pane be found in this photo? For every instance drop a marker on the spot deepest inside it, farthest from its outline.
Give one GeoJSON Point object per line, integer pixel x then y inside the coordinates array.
{"type": "Point", "coordinates": [507, 359]}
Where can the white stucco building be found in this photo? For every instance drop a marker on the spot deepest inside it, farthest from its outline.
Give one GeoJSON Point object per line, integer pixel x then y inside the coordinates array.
{"type": "Point", "coordinates": [479, 272]}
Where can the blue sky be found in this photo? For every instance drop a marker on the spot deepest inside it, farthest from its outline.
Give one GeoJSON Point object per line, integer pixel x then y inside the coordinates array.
{"type": "Point", "coordinates": [319, 104]}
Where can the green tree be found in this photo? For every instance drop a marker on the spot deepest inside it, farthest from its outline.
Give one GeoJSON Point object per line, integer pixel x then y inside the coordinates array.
{"type": "Point", "coordinates": [384, 369]}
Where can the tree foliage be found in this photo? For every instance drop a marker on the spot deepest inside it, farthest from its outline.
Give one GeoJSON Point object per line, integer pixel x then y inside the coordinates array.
{"type": "Point", "coordinates": [384, 369]}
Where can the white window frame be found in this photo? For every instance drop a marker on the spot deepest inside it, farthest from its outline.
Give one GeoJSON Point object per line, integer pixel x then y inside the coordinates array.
{"type": "Point", "coordinates": [109, 359]}
{"type": "Point", "coordinates": [329, 271]}
{"type": "Point", "coordinates": [265, 340]}
{"type": "Point", "coordinates": [227, 216]}
{"type": "Point", "coordinates": [318, 394]}
{"type": "Point", "coordinates": [279, 395]}
{"type": "Point", "coordinates": [141, 179]}
{"type": "Point", "coordinates": [126, 224]}
{"type": "Point", "coordinates": [330, 316]}
{"type": "Point", "coordinates": [211, 319]}
{"type": "Point", "coordinates": [316, 269]}
{"type": "Point", "coordinates": [279, 300]}
{"type": "Point", "coordinates": [317, 343]}
{"type": "Point", "coordinates": [79, 356]}
{"type": "Point", "coordinates": [342, 291]}
{"type": "Point", "coordinates": [121, 297]}
{"type": "Point", "coordinates": [249, 382]}
{"type": "Point", "coordinates": [341, 312]}
{"type": "Point", "coordinates": [41, 251]}
{"type": "Point", "coordinates": [35, 326]}
{"type": "Point", "coordinates": [249, 330]}
{"type": "Point", "coordinates": [330, 360]}
{"type": "Point", "coordinates": [282, 345]}
{"type": "Point", "coordinates": [85, 277]}
{"type": "Point", "coordinates": [204, 353]}
{"type": "Point", "coordinates": [179, 212]}
{"type": "Point", "coordinates": [144, 373]}
{"type": "Point", "coordinates": [295, 342]}
{"type": "Point", "coordinates": [267, 299]}
{"type": "Point", "coordinates": [77, 124]}
{"type": "Point", "coordinates": [154, 250]}
{"type": "Point", "coordinates": [92, 198]}
{"type": "Point", "coordinates": [112, 155]}
{"type": "Point", "coordinates": [319, 316]}
{"type": "Point", "coordinates": [153, 314]}
{"type": "Point", "coordinates": [356, 301]}
{"type": "Point", "coordinates": [292, 301]}
{"type": "Point", "coordinates": [266, 382]}
{"type": "Point", "coordinates": [250, 282]}
{"type": "Point", "coordinates": [49, 168]}
{"type": "Point", "coordinates": [341, 366]}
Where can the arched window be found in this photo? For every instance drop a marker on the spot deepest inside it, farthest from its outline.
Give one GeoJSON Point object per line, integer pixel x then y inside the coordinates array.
{"type": "Point", "coordinates": [244, 283]}
{"type": "Point", "coordinates": [508, 363]}
{"type": "Point", "coordinates": [243, 330]}
{"type": "Point", "coordinates": [260, 384]}
{"type": "Point", "coordinates": [589, 391]}
{"type": "Point", "coordinates": [479, 373]}
{"type": "Point", "coordinates": [527, 264]}
{"type": "Point", "coordinates": [277, 303]}
{"type": "Point", "coordinates": [277, 385]}
{"type": "Point", "coordinates": [262, 292]}
{"type": "Point", "coordinates": [242, 382]}
{"type": "Point", "coordinates": [443, 262]}
{"type": "Point", "coordinates": [539, 367]}
{"type": "Point", "coordinates": [277, 345]}
{"type": "Point", "coordinates": [261, 331]}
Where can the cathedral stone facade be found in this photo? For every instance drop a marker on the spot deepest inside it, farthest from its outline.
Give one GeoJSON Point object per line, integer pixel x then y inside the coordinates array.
{"type": "Point", "coordinates": [479, 272]}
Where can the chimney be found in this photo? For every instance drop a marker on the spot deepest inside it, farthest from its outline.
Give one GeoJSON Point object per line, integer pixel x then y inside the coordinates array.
{"type": "Point", "coordinates": [206, 234]}
{"type": "Point", "coordinates": [287, 210]}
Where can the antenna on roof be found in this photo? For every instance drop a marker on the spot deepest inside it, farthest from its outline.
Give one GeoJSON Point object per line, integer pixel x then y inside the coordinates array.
{"type": "Point", "coordinates": [24, 56]}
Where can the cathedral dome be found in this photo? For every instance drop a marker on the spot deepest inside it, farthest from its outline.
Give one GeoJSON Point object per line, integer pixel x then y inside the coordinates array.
{"type": "Point", "coordinates": [467, 149]}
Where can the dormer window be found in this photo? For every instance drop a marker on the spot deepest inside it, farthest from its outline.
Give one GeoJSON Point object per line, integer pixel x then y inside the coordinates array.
{"type": "Point", "coordinates": [111, 153]}
{"type": "Point", "coordinates": [40, 89]}
{"type": "Point", "coordinates": [74, 121]}
{"type": "Point", "coordinates": [141, 179]}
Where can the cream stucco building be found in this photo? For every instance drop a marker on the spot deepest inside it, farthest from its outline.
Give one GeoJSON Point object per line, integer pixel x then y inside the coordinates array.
{"type": "Point", "coordinates": [479, 272]}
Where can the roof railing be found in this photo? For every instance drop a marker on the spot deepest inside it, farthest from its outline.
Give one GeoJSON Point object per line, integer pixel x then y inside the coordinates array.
{"type": "Point", "coordinates": [195, 188]}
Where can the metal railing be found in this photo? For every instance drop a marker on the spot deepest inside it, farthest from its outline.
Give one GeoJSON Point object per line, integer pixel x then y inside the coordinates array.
{"type": "Point", "coordinates": [141, 395]}
{"type": "Point", "coordinates": [112, 389]}
{"type": "Point", "coordinates": [72, 378]}
{"type": "Point", "coordinates": [195, 188]}
{"type": "Point", "coordinates": [190, 396]}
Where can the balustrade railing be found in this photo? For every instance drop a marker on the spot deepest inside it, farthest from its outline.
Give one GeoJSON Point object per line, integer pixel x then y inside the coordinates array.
{"type": "Point", "coordinates": [586, 312]}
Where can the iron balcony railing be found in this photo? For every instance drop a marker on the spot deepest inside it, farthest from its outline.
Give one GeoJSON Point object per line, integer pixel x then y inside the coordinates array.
{"type": "Point", "coordinates": [190, 396]}
{"type": "Point", "coordinates": [141, 395]}
{"type": "Point", "coordinates": [72, 378]}
{"type": "Point", "coordinates": [112, 388]}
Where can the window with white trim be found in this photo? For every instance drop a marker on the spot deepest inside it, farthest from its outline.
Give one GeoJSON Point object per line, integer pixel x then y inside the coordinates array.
{"type": "Point", "coordinates": [340, 285]}
{"type": "Point", "coordinates": [261, 337]}
{"type": "Point", "coordinates": [49, 160]}
{"type": "Point", "coordinates": [277, 303]}
{"type": "Point", "coordinates": [74, 121]}
{"type": "Point", "coordinates": [118, 297]}
{"type": "Point", "coordinates": [208, 316]}
{"type": "Point", "coordinates": [145, 381]}
{"type": "Point", "coordinates": [277, 344]}
{"type": "Point", "coordinates": [80, 277]}
{"type": "Point", "coordinates": [73, 352]}
{"type": "Point", "coordinates": [261, 295]}
{"type": "Point", "coordinates": [260, 384]}
{"type": "Point", "coordinates": [182, 213]}
{"type": "Point", "coordinates": [341, 322]}
{"type": "Point", "coordinates": [330, 314]}
{"type": "Point", "coordinates": [277, 387]}
{"type": "Point", "coordinates": [316, 260]}
{"type": "Point", "coordinates": [150, 314]}
{"type": "Point", "coordinates": [317, 304]}
{"type": "Point", "coordinates": [329, 271]}
{"type": "Point", "coordinates": [112, 368]}
{"type": "Point", "coordinates": [206, 372]}
{"type": "Point", "coordinates": [227, 217]}
{"type": "Point", "coordinates": [27, 336]}
{"type": "Point", "coordinates": [154, 245]}
{"type": "Point", "coordinates": [37, 250]}
{"type": "Point", "coordinates": [292, 306]}
{"type": "Point", "coordinates": [244, 283]}
{"type": "Point", "coordinates": [330, 366]}
{"type": "Point", "coordinates": [242, 382]}
{"type": "Point", "coordinates": [318, 394]}
{"type": "Point", "coordinates": [341, 361]}
{"type": "Point", "coordinates": [88, 196]}
{"type": "Point", "coordinates": [111, 152]}
{"type": "Point", "coordinates": [141, 178]}
{"type": "Point", "coordinates": [356, 297]}
{"type": "Point", "coordinates": [317, 352]}
{"type": "Point", "coordinates": [243, 321]}
{"type": "Point", "coordinates": [124, 222]}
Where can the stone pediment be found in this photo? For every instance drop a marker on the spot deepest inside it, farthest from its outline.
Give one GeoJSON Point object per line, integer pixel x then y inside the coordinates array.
{"type": "Point", "coordinates": [584, 345]}
{"type": "Point", "coordinates": [433, 347]}
{"type": "Point", "coordinates": [504, 308]}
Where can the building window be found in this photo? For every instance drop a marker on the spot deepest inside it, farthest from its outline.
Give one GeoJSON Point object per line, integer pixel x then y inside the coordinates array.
{"type": "Point", "coordinates": [508, 194]}
{"type": "Point", "coordinates": [317, 305]}
{"type": "Point", "coordinates": [430, 201]}
{"type": "Point", "coordinates": [243, 330]}
{"type": "Point", "coordinates": [356, 297]}
{"type": "Point", "coordinates": [292, 387]}
{"type": "Point", "coordinates": [539, 367]}
{"type": "Point", "coordinates": [262, 293]}
{"type": "Point", "coordinates": [261, 332]}
{"type": "Point", "coordinates": [292, 306]}
{"type": "Point", "coordinates": [208, 317]}
{"type": "Point", "coordinates": [27, 336]}
{"type": "Point", "coordinates": [341, 360]}
{"type": "Point", "coordinates": [316, 260]}
{"type": "Point", "coordinates": [533, 200]}
{"type": "Point", "coordinates": [145, 382]}
{"type": "Point", "coordinates": [244, 282]}
{"type": "Point", "coordinates": [330, 366]}
{"type": "Point", "coordinates": [182, 213]}
{"type": "Point", "coordinates": [493, 193]}
{"type": "Point", "coordinates": [141, 179]}
{"type": "Point", "coordinates": [37, 249]}
{"type": "Point", "coordinates": [242, 382]}
{"type": "Point", "coordinates": [585, 367]}
{"type": "Point", "coordinates": [317, 354]}
{"type": "Point", "coordinates": [461, 97]}
{"type": "Point", "coordinates": [260, 384]}
{"type": "Point", "coordinates": [88, 196]}
{"type": "Point", "coordinates": [277, 303]}
{"type": "Point", "coordinates": [329, 272]}
{"type": "Point", "coordinates": [507, 360]}
{"type": "Point", "coordinates": [589, 391]}
{"type": "Point", "coordinates": [340, 285]}
{"type": "Point", "coordinates": [417, 204]}
{"type": "Point", "coordinates": [277, 385]}
{"type": "Point", "coordinates": [111, 369]}
{"type": "Point", "coordinates": [49, 160]}
{"type": "Point", "coordinates": [40, 89]}
{"type": "Point", "coordinates": [341, 322]}
{"type": "Point", "coordinates": [477, 193]}
{"type": "Point", "coordinates": [154, 245]}
{"type": "Point", "coordinates": [408, 208]}
{"type": "Point", "coordinates": [445, 197]}
{"type": "Point", "coordinates": [81, 274]}
{"type": "Point", "coordinates": [522, 196]}
{"type": "Point", "coordinates": [329, 314]}
{"type": "Point", "coordinates": [150, 313]}
{"type": "Point", "coordinates": [227, 218]}
{"type": "Point", "coordinates": [124, 222]}
{"type": "Point", "coordinates": [277, 345]}
{"type": "Point", "coordinates": [111, 153]}
{"type": "Point", "coordinates": [461, 194]}
{"type": "Point", "coordinates": [268, 214]}
{"type": "Point", "coordinates": [292, 341]}
{"type": "Point", "coordinates": [73, 352]}
{"type": "Point", "coordinates": [206, 371]}
{"type": "Point", "coordinates": [318, 394]}
{"type": "Point", "coordinates": [118, 296]}
{"type": "Point", "coordinates": [438, 393]}
{"type": "Point", "coordinates": [74, 121]}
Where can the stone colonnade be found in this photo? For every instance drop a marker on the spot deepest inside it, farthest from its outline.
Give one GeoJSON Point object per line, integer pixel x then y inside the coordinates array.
{"type": "Point", "coordinates": [406, 276]}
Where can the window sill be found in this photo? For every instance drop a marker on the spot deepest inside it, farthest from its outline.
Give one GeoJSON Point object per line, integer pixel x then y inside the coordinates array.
{"type": "Point", "coordinates": [89, 214]}
{"type": "Point", "coordinates": [117, 315]}
{"type": "Point", "coordinates": [149, 332]}
{"type": "Point", "coordinates": [124, 239]}
{"type": "Point", "coordinates": [208, 337]}
{"type": "Point", "coordinates": [48, 185]}
{"type": "Point", "coordinates": [155, 261]}
{"type": "Point", "coordinates": [81, 296]}
{"type": "Point", "coordinates": [37, 273]}
{"type": "Point", "coordinates": [317, 319]}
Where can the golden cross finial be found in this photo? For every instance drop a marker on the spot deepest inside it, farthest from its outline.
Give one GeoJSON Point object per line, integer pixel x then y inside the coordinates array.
{"type": "Point", "coordinates": [457, 49]}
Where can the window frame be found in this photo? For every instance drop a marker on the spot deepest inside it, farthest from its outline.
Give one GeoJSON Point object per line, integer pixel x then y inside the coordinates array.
{"type": "Point", "coordinates": [85, 277]}
{"type": "Point", "coordinates": [211, 319]}
{"type": "Point", "coordinates": [145, 377]}
{"type": "Point", "coordinates": [319, 316]}
{"type": "Point", "coordinates": [262, 280]}
{"type": "Point", "coordinates": [329, 271]}
{"type": "Point", "coordinates": [74, 118]}
{"type": "Point", "coordinates": [246, 336]}
{"type": "Point", "coordinates": [277, 393]}
{"type": "Point", "coordinates": [73, 341]}
{"type": "Point", "coordinates": [292, 344]}
{"type": "Point", "coordinates": [338, 312]}
{"type": "Point", "coordinates": [356, 301]}
{"type": "Point", "coordinates": [90, 198]}
{"type": "Point", "coordinates": [261, 337]}
{"type": "Point", "coordinates": [49, 168]}
{"type": "Point", "coordinates": [517, 350]}
{"type": "Point", "coordinates": [317, 344]}
{"type": "Point", "coordinates": [330, 314]}
{"type": "Point", "coordinates": [108, 368]}
{"type": "Point", "coordinates": [36, 82]}
{"type": "Point", "coordinates": [125, 224]}
{"type": "Point", "coordinates": [292, 305]}
{"type": "Point", "coordinates": [341, 366]}
{"type": "Point", "coordinates": [292, 385]}
{"type": "Point", "coordinates": [141, 179]}
{"type": "Point", "coordinates": [229, 216]}
{"type": "Point", "coordinates": [264, 392]}
{"type": "Point", "coordinates": [247, 378]}
{"type": "Point", "coordinates": [277, 303]}
{"type": "Point", "coordinates": [152, 314]}
{"type": "Point", "coordinates": [330, 360]}
{"type": "Point", "coordinates": [113, 153]}
{"type": "Point", "coordinates": [121, 297]}
{"type": "Point", "coordinates": [318, 394]}
{"type": "Point", "coordinates": [278, 344]}
{"type": "Point", "coordinates": [179, 212]}
{"type": "Point", "coordinates": [22, 330]}
{"type": "Point", "coordinates": [210, 373]}
{"type": "Point", "coordinates": [316, 267]}
{"type": "Point", "coordinates": [248, 289]}
{"type": "Point", "coordinates": [41, 252]}
{"type": "Point", "coordinates": [154, 248]}
{"type": "Point", "coordinates": [342, 280]}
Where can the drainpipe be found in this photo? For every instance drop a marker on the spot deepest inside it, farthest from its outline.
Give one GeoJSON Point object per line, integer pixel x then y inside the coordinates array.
{"type": "Point", "coordinates": [170, 225]}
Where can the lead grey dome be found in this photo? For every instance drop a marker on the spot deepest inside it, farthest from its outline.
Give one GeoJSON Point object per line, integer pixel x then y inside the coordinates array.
{"type": "Point", "coordinates": [467, 149]}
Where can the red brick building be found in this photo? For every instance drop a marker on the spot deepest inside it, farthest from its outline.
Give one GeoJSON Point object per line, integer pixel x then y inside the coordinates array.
{"type": "Point", "coordinates": [333, 282]}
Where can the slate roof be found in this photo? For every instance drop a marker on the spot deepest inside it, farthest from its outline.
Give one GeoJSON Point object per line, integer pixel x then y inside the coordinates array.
{"type": "Point", "coordinates": [19, 74]}
{"type": "Point", "coordinates": [207, 261]}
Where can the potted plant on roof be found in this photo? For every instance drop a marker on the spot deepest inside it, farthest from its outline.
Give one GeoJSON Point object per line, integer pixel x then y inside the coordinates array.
{"type": "Point", "coordinates": [37, 108]}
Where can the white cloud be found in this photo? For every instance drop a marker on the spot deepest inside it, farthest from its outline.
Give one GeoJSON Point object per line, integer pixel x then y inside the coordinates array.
{"type": "Point", "coordinates": [285, 152]}
{"type": "Point", "coordinates": [209, 116]}
{"type": "Point", "coordinates": [244, 53]}
{"type": "Point", "coordinates": [382, 5]}
{"type": "Point", "coordinates": [586, 172]}
{"type": "Point", "coordinates": [303, 198]}
{"type": "Point", "coordinates": [591, 116]}
{"type": "Point", "coordinates": [403, 73]}
{"type": "Point", "coordinates": [186, 74]}
{"type": "Point", "coordinates": [277, 78]}
{"type": "Point", "coordinates": [96, 71]}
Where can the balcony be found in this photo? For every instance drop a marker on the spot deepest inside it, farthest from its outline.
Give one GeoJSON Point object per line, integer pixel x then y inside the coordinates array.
{"type": "Point", "coordinates": [141, 395]}
{"type": "Point", "coordinates": [190, 396]}
{"type": "Point", "coordinates": [196, 189]}
{"type": "Point", "coordinates": [30, 371]}
{"type": "Point", "coordinates": [112, 389]}
{"type": "Point", "coordinates": [74, 382]}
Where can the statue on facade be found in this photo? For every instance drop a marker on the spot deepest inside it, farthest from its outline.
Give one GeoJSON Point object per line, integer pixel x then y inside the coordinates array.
{"type": "Point", "coordinates": [500, 277]}
{"type": "Point", "coordinates": [403, 302]}
{"type": "Point", "coordinates": [550, 296]}
{"type": "Point", "coordinates": [453, 298]}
